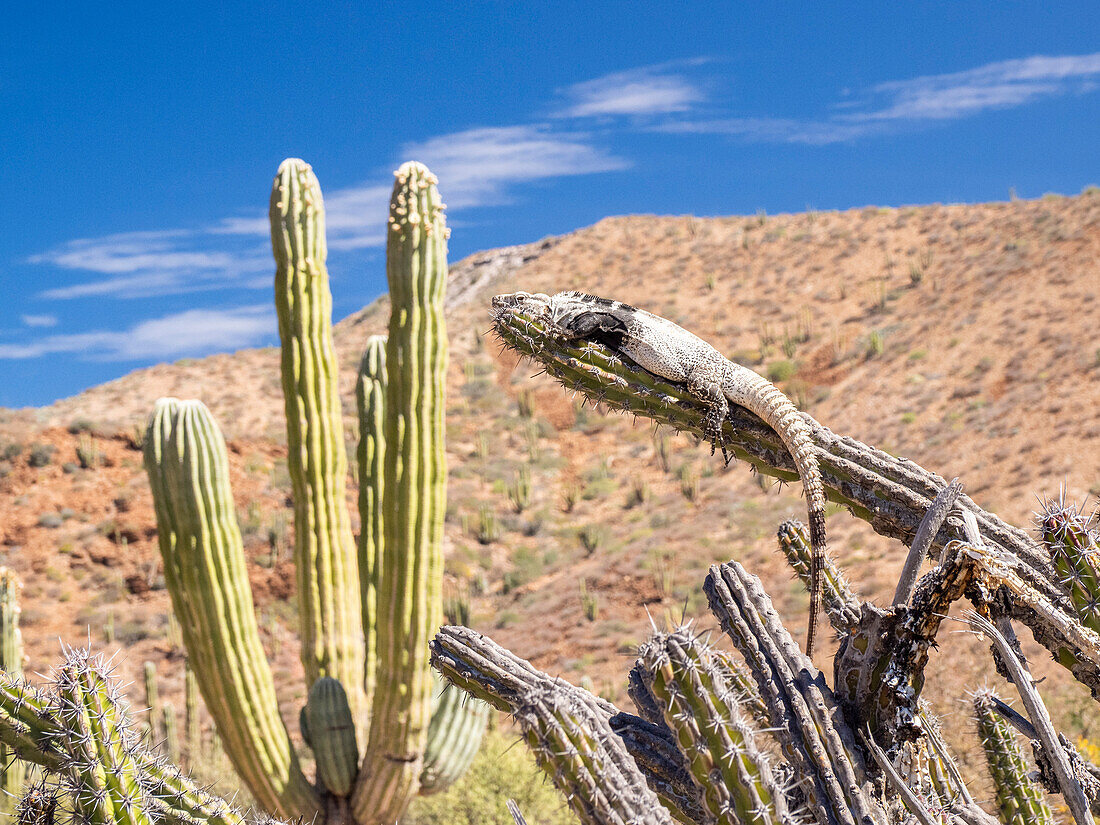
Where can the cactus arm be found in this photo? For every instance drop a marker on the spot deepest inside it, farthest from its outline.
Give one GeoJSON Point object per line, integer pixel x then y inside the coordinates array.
{"type": "Point", "coordinates": [334, 745]}
{"type": "Point", "coordinates": [370, 400]}
{"type": "Point", "coordinates": [13, 772]}
{"type": "Point", "coordinates": [325, 560]}
{"type": "Point", "coordinates": [840, 604]}
{"type": "Point", "coordinates": [660, 760]}
{"type": "Point", "coordinates": [702, 709]}
{"type": "Point", "coordinates": [1019, 800]}
{"type": "Point", "coordinates": [568, 728]}
{"type": "Point", "coordinates": [891, 494]}
{"type": "Point", "coordinates": [454, 736]}
{"type": "Point", "coordinates": [804, 713]}
{"type": "Point", "coordinates": [410, 570]}
{"type": "Point", "coordinates": [207, 577]}
{"type": "Point", "coordinates": [102, 748]}
{"type": "Point", "coordinates": [1074, 550]}
{"type": "Point", "coordinates": [1068, 783]}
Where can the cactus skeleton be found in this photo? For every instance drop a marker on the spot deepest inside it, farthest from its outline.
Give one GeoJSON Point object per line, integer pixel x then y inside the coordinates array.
{"type": "Point", "coordinates": [864, 750]}
{"type": "Point", "coordinates": [666, 350]}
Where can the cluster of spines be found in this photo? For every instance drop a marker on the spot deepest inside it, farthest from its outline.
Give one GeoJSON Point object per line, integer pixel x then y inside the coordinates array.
{"type": "Point", "coordinates": [1072, 544]}
{"type": "Point", "coordinates": [837, 599]}
{"type": "Point", "coordinates": [1019, 800]}
{"type": "Point", "coordinates": [80, 733]}
{"type": "Point", "coordinates": [702, 709]}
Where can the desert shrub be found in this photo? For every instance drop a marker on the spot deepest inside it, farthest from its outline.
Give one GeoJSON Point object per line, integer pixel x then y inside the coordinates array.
{"type": "Point", "coordinates": [503, 770]}
{"type": "Point", "coordinates": [41, 455]}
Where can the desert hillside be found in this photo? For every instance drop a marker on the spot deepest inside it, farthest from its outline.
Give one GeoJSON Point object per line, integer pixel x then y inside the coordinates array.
{"type": "Point", "coordinates": [963, 337]}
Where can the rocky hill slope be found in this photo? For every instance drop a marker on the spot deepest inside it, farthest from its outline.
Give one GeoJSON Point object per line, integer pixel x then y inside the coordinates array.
{"type": "Point", "coordinates": [964, 337]}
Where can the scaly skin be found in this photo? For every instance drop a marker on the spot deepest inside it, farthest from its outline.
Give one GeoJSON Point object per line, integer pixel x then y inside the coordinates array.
{"type": "Point", "coordinates": [671, 352]}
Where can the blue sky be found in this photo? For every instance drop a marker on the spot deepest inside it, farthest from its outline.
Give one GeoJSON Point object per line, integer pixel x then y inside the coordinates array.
{"type": "Point", "coordinates": [140, 140]}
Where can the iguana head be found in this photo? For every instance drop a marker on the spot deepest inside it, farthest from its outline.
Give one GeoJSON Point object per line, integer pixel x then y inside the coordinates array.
{"type": "Point", "coordinates": [576, 313]}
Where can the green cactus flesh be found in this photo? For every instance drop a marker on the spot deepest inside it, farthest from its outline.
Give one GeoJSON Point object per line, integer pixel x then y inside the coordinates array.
{"type": "Point", "coordinates": [410, 567]}
{"type": "Point", "coordinates": [327, 573]}
{"type": "Point", "coordinates": [370, 401]}
{"type": "Point", "coordinates": [12, 771]}
{"type": "Point", "coordinates": [332, 736]}
{"type": "Point", "coordinates": [207, 577]}
{"type": "Point", "coordinates": [1076, 555]}
{"type": "Point", "coordinates": [1019, 800]}
{"type": "Point", "coordinates": [701, 708]}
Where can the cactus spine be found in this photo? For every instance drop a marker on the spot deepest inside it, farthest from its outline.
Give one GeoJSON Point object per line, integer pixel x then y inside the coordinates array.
{"type": "Point", "coordinates": [410, 569]}
{"type": "Point", "coordinates": [1019, 800]}
{"type": "Point", "coordinates": [327, 577]}
{"type": "Point", "coordinates": [702, 709]}
{"type": "Point", "coordinates": [370, 398]}
{"type": "Point", "coordinates": [207, 577]}
{"type": "Point", "coordinates": [12, 771]}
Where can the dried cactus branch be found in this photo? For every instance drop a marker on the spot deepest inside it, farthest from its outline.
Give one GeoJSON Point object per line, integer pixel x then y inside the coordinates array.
{"type": "Point", "coordinates": [891, 494]}
{"type": "Point", "coordinates": [1068, 783]}
{"type": "Point", "coordinates": [929, 526]}
{"type": "Point", "coordinates": [804, 713]}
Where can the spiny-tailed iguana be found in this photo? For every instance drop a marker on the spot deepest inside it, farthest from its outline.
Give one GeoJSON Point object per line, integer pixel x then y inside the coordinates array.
{"type": "Point", "coordinates": [671, 352]}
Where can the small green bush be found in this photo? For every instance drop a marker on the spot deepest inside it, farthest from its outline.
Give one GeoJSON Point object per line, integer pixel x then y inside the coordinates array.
{"type": "Point", "coordinates": [781, 370]}
{"type": "Point", "coordinates": [504, 769]}
{"type": "Point", "coordinates": [41, 455]}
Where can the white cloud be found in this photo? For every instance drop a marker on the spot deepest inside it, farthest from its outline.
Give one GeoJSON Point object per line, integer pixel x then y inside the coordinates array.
{"type": "Point", "coordinates": [39, 320]}
{"type": "Point", "coordinates": [474, 166]}
{"type": "Point", "coordinates": [148, 263]}
{"type": "Point", "coordinates": [895, 104]}
{"type": "Point", "coordinates": [646, 91]}
{"type": "Point", "coordinates": [194, 332]}
{"type": "Point", "coordinates": [1000, 85]}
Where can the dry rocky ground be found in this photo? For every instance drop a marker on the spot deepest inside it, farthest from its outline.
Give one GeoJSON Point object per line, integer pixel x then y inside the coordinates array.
{"type": "Point", "coordinates": [964, 337]}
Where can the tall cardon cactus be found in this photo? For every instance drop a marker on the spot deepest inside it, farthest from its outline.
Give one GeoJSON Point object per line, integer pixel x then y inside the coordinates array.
{"type": "Point", "coordinates": [12, 771]}
{"type": "Point", "coordinates": [367, 610]}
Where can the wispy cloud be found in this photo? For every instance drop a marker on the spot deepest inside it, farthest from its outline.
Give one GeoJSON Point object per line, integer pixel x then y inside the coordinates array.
{"type": "Point", "coordinates": [194, 332]}
{"type": "Point", "coordinates": [645, 91]}
{"type": "Point", "coordinates": [893, 105]}
{"type": "Point", "coordinates": [141, 264]}
{"type": "Point", "coordinates": [39, 320]}
{"type": "Point", "coordinates": [475, 166]}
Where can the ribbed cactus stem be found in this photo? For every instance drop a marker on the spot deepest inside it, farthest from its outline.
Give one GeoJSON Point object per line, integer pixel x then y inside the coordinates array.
{"type": "Point", "coordinates": [334, 746]}
{"type": "Point", "coordinates": [1019, 800]}
{"type": "Point", "coordinates": [193, 721]}
{"type": "Point", "coordinates": [370, 401]}
{"type": "Point", "coordinates": [12, 771]}
{"type": "Point", "coordinates": [109, 790]}
{"type": "Point", "coordinates": [171, 733]}
{"type": "Point", "coordinates": [454, 736]}
{"type": "Point", "coordinates": [840, 604]}
{"type": "Point", "coordinates": [207, 577]}
{"type": "Point", "coordinates": [1076, 555]}
{"type": "Point", "coordinates": [152, 704]}
{"type": "Point", "coordinates": [330, 610]}
{"type": "Point", "coordinates": [701, 707]}
{"type": "Point", "coordinates": [410, 570]}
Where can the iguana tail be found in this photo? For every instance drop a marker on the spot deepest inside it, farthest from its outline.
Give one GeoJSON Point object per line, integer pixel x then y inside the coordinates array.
{"type": "Point", "coordinates": [766, 400]}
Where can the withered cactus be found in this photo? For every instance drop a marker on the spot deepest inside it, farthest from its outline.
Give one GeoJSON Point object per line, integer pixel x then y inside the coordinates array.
{"type": "Point", "coordinates": [864, 750]}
